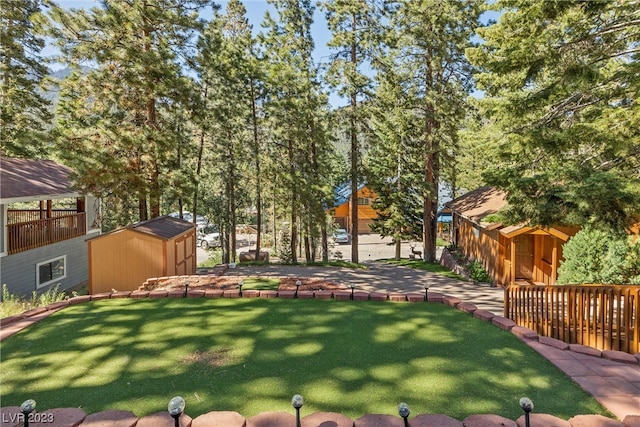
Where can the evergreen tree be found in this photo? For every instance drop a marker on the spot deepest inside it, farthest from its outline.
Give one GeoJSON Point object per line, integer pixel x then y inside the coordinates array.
{"type": "Point", "coordinates": [295, 108]}
{"type": "Point", "coordinates": [116, 121]}
{"type": "Point", "coordinates": [561, 81]}
{"type": "Point", "coordinates": [355, 30]}
{"type": "Point", "coordinates": [24, 112]}
{"type": "Point", "coordinates": [429, 39]}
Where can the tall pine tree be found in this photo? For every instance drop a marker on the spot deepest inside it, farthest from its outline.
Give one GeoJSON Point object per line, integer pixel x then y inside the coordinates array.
{"type": "Point", "coordinates": [116, 120]}
{"type": "Point", "coordinates": [24, 112]}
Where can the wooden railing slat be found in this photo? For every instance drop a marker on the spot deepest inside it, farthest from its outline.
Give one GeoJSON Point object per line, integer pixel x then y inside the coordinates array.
{"type": "Point", "coordinates": [604, 317]}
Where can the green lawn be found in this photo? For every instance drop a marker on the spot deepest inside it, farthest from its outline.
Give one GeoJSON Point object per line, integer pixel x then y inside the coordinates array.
{"type": "Point", "coordinates": [252, 355]}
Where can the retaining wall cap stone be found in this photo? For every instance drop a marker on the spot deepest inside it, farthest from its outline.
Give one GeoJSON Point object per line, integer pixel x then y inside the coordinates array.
{"type": "Point", "coordinates": [525, 333]}
{"type": "Point", "coordinates": [68, 417]}
{"type": "Point", "coordinates": [379, 420]}
{"type": "Point", "coordinates": [219, 419]}
{"type": "Point", "coordinates": [593, 421]}
{"type": "Point", "coordinates": [545, 420]}
{"type": "Point", "coordinates": [631, 421]}
{"type": "Point", "coordinates": [272, 419]}
{"type": "Point", "coordinates": [619, 356]}
{"type": "Point", "coordinates": [488, 420]}
{"type": "Point", "coordinates": [483, 315]}
{"type": "Point", "coordinates": [553, 342]}
{"type": "Point", "coordinates": [34, 311]}
{"type": "Point", "coordinates": [434, 420]}
{"type": "Point", "coordinates": [163, 419]}
{"type": "Point", "coordinates": [110, 418]}
{"type": "Point", "coordinates": [503, 323]}
{"type": "Point", "coordinates": [326, 419]}
{"type": "Point", "coordinates": [467, 307]}
{"type": "Point", "coordinates": [583, 349]}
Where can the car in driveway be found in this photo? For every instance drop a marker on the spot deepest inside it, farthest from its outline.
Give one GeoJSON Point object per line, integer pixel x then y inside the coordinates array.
{"type": "Point", "coordinates": [207, 236]}
{"type": "Point", "coordinates": [341, 236]}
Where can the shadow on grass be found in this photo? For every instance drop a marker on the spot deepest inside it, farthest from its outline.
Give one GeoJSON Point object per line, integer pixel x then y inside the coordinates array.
{"type": "Point", "coordinates": [252, 355]}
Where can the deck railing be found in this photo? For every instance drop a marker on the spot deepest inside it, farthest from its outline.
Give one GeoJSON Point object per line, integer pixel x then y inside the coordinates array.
{"type": "Point", "coordinates": [603, 317]}
{"type": "Point", "coordinates": [26, 235]}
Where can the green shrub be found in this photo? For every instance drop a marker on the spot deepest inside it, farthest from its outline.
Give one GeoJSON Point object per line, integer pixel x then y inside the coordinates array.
{"type": "Point", "coordinates": [600, 257]}
{"type": "Point", "coordinates": [284, 249]}
{"type": "Point", "coordinates": [478, 273]}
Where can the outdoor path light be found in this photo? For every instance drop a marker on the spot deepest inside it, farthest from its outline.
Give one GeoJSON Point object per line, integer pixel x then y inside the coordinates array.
{"type": "Point", "coordinates": [297, 401]}
{"type": "Point", "coordinates": [426, 293]}
{"type": "Point", "coordinates": [298, 283]}
{"type": "Point", "coordinates": [176, 408]}
{"type": "Point", "coordinates": [27, 408]}
{"type": "Point", "coordinates": [240, 287]}
{"type": "Point", "coordinates": [403, 411]}
{"type": "Point", "coordinates": [353, 287]}
{"type": "Point", "coordinates": [527, 406]}
{"type": "Point", "coordinates": [186, 289]}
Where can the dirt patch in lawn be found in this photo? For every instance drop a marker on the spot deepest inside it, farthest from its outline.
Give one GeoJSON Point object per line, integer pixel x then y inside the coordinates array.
{"type": "Point", "coordinates": [210, 358]}
{"type": "Point", "coordinates": [205, 282]}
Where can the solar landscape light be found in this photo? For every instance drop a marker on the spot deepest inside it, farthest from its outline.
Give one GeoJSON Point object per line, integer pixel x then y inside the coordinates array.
{"type": "Point", "coordinates": [186, 288]}
{"type": "Point", "coordinates": [240, 287]}
{"type": "Point", "coordinates": [426, 293]}
{"type": "Point", "coordinates": [27, 408]}
{"type": "Point", "coordinates": [297, 401]}
{"type": "Point", "coordinates": [176, 408]}
{"type": "Point", "coordinates": [403, 411]}
{"type": "Point", "coordinates": [353, 287]}
{"type": "Point", "coordinates": [527, 406]}
{"type": "Point", "coordinates": [298, 283]}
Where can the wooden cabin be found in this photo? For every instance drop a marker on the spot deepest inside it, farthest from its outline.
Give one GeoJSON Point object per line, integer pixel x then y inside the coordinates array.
{"type": "Point", "coordinates": [44, 223]}
{"type": "Point", "coordinates": [510, 254]}
{"type": "Point", "coordinates": [341, 211]}
{"type": "Point", "coordinates": [123, 259]}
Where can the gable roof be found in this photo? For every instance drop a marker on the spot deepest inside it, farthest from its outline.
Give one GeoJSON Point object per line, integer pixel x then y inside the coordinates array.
{"type": "Point", "coordinates": [33, 178]}
{"type": "Point", "coordinates": [165, 227]}
{"type": "Point", "coordinates": [342, 193]}
{"type": "Point", "coordinates": [478, 204]}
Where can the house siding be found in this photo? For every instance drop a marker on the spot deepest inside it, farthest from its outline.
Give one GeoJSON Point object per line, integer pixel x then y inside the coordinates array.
{"type": "Point", "coordinates": [19, 270]}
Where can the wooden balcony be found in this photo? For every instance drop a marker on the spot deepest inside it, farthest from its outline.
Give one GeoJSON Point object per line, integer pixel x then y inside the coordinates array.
{"type": "Point", "coordinates": [30, 232]}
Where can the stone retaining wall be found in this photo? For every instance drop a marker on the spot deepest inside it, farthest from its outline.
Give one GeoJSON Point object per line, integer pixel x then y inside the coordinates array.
{"type": "Point", "coordinates": [73, 417]}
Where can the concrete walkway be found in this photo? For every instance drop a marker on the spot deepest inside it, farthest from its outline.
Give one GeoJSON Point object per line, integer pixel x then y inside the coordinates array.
{"type": "Point", "coordinates": [614, 384]}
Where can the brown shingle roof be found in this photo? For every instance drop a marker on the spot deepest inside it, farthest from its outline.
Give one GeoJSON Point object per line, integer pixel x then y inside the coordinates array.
{"type": "Point", "coordinates": [165, 227]}
{"type": "Point", "coordinates": [33, 178]}
{"type": "Point", "coordinates": [477, 204]}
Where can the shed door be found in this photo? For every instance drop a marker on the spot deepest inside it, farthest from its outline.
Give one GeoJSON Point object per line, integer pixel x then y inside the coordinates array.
{"type": "Point", "coordinates": [524, 256]}
{"type": "Point", "coordinates": [184, 254]}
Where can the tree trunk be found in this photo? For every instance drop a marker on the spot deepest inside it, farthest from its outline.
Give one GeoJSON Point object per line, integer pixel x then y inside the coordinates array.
{"type": "Point", "coordinates": [354, 157]}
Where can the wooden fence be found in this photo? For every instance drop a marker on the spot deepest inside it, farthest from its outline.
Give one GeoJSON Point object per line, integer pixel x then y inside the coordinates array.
{"type": "Point", "coordinates": [603, 317]}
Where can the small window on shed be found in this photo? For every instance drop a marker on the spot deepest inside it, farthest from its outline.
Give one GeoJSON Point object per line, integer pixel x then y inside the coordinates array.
{"type": "Point", "coordinates": [50, 271]}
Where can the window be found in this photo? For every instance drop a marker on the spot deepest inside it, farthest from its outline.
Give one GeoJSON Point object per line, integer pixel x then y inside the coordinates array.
{"type": "Point", "coordinates": [50, 271]}
{"type": "Point", "coordinates": [363, 201]}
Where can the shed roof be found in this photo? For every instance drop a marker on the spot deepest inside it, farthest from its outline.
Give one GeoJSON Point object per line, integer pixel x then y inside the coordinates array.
{"type": "Point", "coordinates": [478, 204]}
{"type": "Point", "coordinates": [165, 227]}
{"type": "Point", "coordinates": [33, 178]}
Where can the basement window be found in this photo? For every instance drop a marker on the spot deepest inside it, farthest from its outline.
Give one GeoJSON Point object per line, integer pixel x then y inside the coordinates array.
{"type": "Point", "coordinates": [50, 271]}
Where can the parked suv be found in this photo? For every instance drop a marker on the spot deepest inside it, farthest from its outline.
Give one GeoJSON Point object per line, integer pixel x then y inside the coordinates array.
{"type": "Point", "coordinates": [207, 236]}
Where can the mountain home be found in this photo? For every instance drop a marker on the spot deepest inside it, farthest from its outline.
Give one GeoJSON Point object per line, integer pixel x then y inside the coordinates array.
{"type": "Point", "coordinates": [44, 225]}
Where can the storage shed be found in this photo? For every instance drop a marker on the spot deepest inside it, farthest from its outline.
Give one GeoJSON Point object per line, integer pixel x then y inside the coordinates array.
{"type": "Point", "coordinates": [123, 259]}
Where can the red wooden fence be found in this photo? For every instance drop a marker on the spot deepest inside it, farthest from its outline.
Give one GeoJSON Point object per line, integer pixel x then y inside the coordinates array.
{"type": "Point", "coordinates": [603, 317]}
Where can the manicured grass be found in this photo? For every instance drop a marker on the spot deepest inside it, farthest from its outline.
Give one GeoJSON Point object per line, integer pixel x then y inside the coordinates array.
{"type": "Point", "coordinates": [426, 266]}
{"type": "Point", "coordinates": [252, 355]}
{"type": "Point", "coordinates": [260, 284]}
